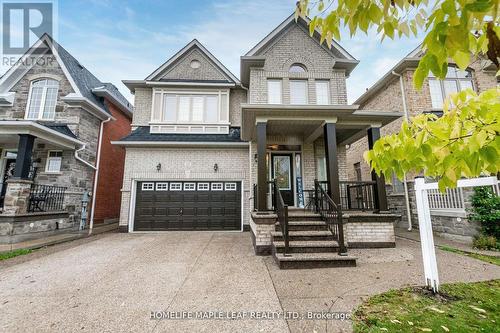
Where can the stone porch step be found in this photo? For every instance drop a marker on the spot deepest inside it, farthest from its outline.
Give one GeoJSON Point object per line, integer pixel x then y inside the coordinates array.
{"type": "Point", "coordinates": [313, 260]}
{"type": "Point", "coordinates": [304, 235]}
{"type": "Point", "coordinates": [304, 225]}
{"type": "Point", "coordinates": [302, 215]}
{"type": "Point", "coordinates": [306, 246]}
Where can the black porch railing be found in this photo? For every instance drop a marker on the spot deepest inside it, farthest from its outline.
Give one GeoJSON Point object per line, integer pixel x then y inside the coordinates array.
{"type": "Point", "coordinates": [356, 195]}
{"type": "Point", "coordinates": [46, 198]}
{"type": "Point", "coordinates": [270, 189]}
{"type": "Point", "coordinates": [282, 212]}
{"type": "Point", "coordinates": [331, 213]}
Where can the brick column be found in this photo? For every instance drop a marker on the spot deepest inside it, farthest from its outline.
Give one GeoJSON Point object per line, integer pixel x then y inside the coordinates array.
{"type": "Point", "coordinates": [17, 196]}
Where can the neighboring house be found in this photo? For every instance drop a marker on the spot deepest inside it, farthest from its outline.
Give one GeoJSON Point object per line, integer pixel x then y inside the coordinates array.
{"type": "Point", "coordinates": [395, 92]}
{"type": "Point", "coordinates": [56, 123]}
{"type": "Point", "coordinates": [205, 145]}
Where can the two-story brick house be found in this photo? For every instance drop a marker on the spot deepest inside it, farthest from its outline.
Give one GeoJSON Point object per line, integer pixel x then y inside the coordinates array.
{"type": "Point", "coordinates": [56, 123]}
{"type": "Point", "coordinates": [205, 146]}
{"type": "Point", "coordinates": [395, 92]}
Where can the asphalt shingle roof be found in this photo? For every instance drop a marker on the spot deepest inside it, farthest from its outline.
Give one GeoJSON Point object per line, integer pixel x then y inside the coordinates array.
{"type": "Point", "coordinates": [61, 128]}
{"type": "Point", "coordinates": [142, 134]}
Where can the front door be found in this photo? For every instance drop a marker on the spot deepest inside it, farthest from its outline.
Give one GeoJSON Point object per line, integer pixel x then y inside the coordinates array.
{"type": "Point", "coordinates": [282, 171]}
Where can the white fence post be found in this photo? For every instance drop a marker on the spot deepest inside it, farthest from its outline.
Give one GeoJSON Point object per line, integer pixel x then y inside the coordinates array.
{"type": "Point", "coordinates": [426, 237]}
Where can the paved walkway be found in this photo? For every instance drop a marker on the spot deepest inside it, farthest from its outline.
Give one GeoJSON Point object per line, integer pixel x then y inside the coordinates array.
{"type": "Point", "coordinates": [113, 282]}
{"type": "Point", "coordinates": [414, 234]}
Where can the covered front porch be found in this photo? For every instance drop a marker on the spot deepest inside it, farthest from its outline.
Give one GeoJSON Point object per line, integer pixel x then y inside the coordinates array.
{"type": "Point", "coordinates": [299, 169]}
{"type": "Point", "coordinates": [33, 201]}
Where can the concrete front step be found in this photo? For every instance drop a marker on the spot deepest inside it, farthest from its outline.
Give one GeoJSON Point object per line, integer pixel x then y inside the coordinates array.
{"type": "Point", "coordinates": [306, 247]}
{"type": "Point", "coordinates": [313, 260]}
{"type": "Point", "coordinates": [303, 235]}
{"type": "Point", "coordinates": [304, 225]}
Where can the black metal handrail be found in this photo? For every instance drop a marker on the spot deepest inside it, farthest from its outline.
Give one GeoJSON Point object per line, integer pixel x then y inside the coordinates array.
{"type": "Point", "coordinates": [331, 213]}
{"type": "Point", "coordinates": [46, 198]}
{"type": "Point", "coordinates": [270, 185]}
{"type": "Point", "coordinates": [281, 211]}
{"type": "Point", "coordinates": [356, 195]}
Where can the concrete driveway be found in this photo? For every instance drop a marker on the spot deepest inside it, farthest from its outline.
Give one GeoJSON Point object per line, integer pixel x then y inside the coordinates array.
{"type": "Point", "coordinates": [113, 283]}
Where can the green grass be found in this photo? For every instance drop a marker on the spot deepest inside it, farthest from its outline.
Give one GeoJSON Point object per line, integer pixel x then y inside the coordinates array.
{"type": "Point", "coordinates": [482, 257]}
{"type": "Point", "coordinates": [459, 307]}
{"type": "Point", "coordinates": [15, 253]}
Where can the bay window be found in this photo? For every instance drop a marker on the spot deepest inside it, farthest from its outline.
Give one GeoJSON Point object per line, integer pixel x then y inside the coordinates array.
{"type": "Point", "coordinates": [189, 107]}
{"type": "Point", "coordinates": [455, 81]}
{"type": "Point", "coordinates": [42, 99]}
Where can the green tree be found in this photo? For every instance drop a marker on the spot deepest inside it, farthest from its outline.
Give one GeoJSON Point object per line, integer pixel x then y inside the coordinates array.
{"type": "Point", "coordinates": [464, 142]}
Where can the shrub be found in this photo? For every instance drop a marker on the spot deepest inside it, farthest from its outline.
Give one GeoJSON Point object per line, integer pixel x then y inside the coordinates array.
{"type": "Point", "coordinates": [486, 211]}
{"type": "Point", "coordinates": [484, 242]}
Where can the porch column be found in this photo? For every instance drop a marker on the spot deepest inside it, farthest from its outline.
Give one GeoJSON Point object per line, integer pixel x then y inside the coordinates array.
{"type": "Point", "coordinates": [332, 164]}
{"type": "Point", "coordinates": [261, 166]}
{"type": "Point", "coordinates": [379, 195]}
{"type": "Point", "coordinates": [24, 153]}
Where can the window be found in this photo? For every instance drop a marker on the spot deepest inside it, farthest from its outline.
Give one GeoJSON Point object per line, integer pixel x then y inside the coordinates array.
{"type": "Point", "coordinates": [397, 185]}
{"type": "Point", "coordinates": [216, 186]}
{"type": "Point", "coordinates": [187, 107]}
{"type": "Point", "coordinates": [357, 171]}
{"type": "Point", "coordinates": [189, 186]}
{"type": "Point", "coordinates": [230, 186]}
{"type": "Point", "coordinates": [297, 68]}
{"type": "Point", "coordinates": [274, 91]}
{"type": "Point", "coordinates": [147, 186]}
{"type": "Point", "coordinates": [322, 92]}
{"type": "Point", "coordinates": [298, 92]}
{"type": "Point", "coordinates": [162, 186]}
{"type": "Point", "coordinates": [42, 99]}
{"type": "Point", "coordinates": [203, 187]}
{"type": "Point", "coordinates": [455, 81]}
{"type": "Point", "coordinates": [175, 186]}
{"type": "Point", "coordinates": [54, 159]}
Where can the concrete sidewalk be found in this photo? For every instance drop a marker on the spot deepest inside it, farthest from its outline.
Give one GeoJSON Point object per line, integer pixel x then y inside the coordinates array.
{"type": "Point", "coordinates": [440, 241]}
{"type": "Point", "coordinates": [60, 238]}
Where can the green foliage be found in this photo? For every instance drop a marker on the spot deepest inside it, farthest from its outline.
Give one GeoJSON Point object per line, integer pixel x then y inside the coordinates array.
{"type": "Point", "coordinates": [464, 142]}
{"type": "Point", "coordinates": [15, 253]}
{"type": "Point", "coordinates": [483, 257]}
{"type": "Point", "coordinates": [483, 242]}
{"type": "Point", "coordinates": [455, 29]}
{"type": "Point", "coordinates": [486, 211]}
{"type": "Point", "coordinates": [460, 307]}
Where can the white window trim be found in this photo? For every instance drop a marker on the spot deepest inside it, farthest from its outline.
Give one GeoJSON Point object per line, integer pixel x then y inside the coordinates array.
{"type": "Point", "coordinates": [51, 158]}
{"type": "Point", "coordinates": [189, 186]}
{"type": "Point", "coordinates": [148, 187]}
{"type": "Point", "coordinates": [222, 114]}
{"type": "Point", "coordinates": [42, 101]}
{"type": "Point", "coordinates": [207, 188]}
{"type": "Point", "coordinates": [230, 187]}
{"type": "Point", "coordinates": [173, 186]}
{"type": "Point", "coordinates": [162, 189]}
{"type": "Point", "coordinates": [306, 91]}
{"type": "Point", "coordinates": [217, 189]}
{"type": "Point", "coordinates": [457, 81]}
{"type": "Point", "coordinates": [280, 81]}
{"type": "Point", "coordinates": [328, 97]}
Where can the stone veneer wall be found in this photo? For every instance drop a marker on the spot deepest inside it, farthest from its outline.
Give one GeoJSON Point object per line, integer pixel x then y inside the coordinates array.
{"type": "Point", "coordinates": [74, 175]}
{"type": "Point", "coordinates": [185, 164]}
{"type": "Point", "coordinates": [14, 229]}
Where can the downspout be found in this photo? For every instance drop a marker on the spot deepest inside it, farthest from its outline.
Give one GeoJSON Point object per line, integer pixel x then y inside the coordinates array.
{"type": "Point", "coordinates": [96, 178]}
{"type": "Point", "coordinates": [405, 111]}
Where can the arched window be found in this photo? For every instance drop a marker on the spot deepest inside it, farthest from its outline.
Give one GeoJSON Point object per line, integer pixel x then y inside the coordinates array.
{"type": "Point", "coordinates": [42, 99]}
{"type": "Point", "coordinates": [297, 68]}
{"type": "Point", "coordinates": [455, 81]}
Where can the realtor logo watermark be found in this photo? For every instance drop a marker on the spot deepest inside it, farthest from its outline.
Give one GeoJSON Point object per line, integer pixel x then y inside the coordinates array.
{"type": "Point", "coordinates": [23, 23]}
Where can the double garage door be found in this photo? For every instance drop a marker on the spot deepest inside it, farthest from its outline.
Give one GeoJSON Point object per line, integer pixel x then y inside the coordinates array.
{"type": "Point", "coordinates": [179, 205]}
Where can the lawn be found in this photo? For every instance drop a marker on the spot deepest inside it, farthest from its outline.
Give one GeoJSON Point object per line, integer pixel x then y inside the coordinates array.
{"type": "Point", "coordinates": [489, 259]}
{"type": "Point", "coordinates": [15, 253]}
{"type": "Point", "coordinates": [460, 307]}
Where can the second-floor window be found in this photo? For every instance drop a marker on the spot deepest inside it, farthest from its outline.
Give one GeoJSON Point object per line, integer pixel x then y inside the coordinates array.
{"type": "Point", "coordinates": [298, 92]}
{"type": "Point", "coordinates": [455, 81]}
{"type": "Point", "coordinates": [274, 91]}
{"type": "Point", "coordinates": [322, 92]}
{"type": "Point", "coordinates": [42, 99]}
{"type": "Point", "coordinates": [190, 107]}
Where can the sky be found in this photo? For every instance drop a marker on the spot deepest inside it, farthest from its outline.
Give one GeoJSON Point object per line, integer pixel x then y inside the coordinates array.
{"type": "Point", "coordinates": [118, 40]}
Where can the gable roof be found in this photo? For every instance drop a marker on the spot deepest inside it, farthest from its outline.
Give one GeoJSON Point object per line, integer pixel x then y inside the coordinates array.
{"type": "Point", "coordinates": [185, 50]}
{"type": "Point", "coordinates": [81, 79]}
{"type": "Point", "coordinates": [276, 33]}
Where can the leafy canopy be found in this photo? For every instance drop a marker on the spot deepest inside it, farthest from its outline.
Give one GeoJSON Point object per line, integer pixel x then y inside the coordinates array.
{"type": "Point", "coordinates": [465, 141]}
